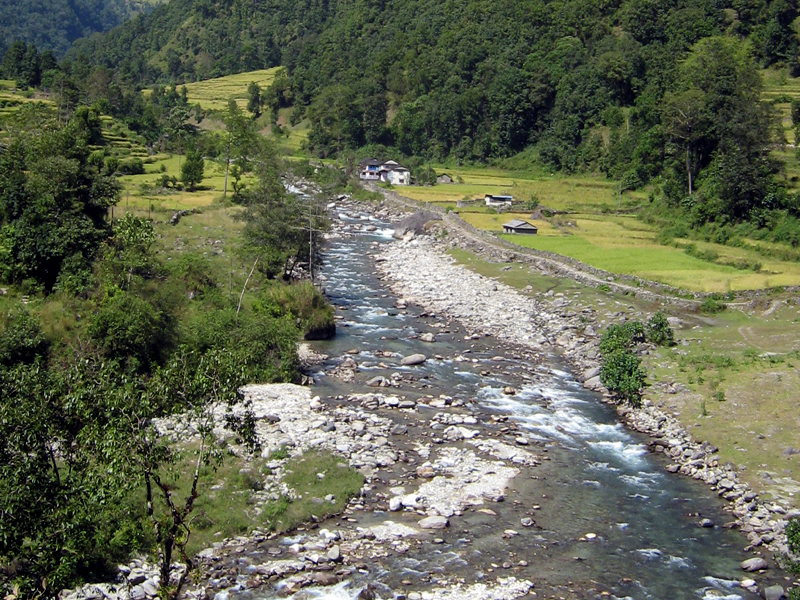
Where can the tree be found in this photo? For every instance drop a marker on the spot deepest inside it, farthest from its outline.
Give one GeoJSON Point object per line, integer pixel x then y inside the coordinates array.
{"type": "Point", "coordinates": [281, 229]}
{"type": "Point", "coordinates": [254, 100]}
{"type": "Point", "coordinates": [622, 374]}
{"type": "Point", "coordinates": [53, 202]}
{"type": "Point", "coordinates": [241, 139]}
{"type": "Point", "coordinates": [192, 169]}
{"type": "Point", "coordinates": [717, 116]}
{"type": "Point", "coordinates": [684, 114]}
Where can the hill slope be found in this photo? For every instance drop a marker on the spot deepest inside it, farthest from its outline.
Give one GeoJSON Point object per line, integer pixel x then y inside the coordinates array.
{"type": "Point", "coordinates": [55, 24]}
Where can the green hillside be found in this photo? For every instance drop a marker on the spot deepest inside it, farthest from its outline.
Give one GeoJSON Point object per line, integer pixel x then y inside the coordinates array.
{"type": "Point", "coordinates": [55, 24]}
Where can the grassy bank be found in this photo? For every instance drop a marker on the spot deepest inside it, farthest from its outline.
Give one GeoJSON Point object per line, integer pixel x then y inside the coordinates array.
{"type": "Point", "coordinates": [734, 373]}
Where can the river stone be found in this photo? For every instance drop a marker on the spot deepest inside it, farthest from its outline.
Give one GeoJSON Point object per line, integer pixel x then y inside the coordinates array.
{"type": "Point", "coordinates": [773, 592]}
{"type": "Point", "coordinates": [427, 337]}
{"type": "Point", "coordinates": [435, 522]}
{"type": "Point", "coordinates": [706, 523]}
{"type": "Point", "coordinates": [395, 504]}
{"type": "Point", "coordinates": [150, 587]}
{"type": "Point", "coordinates": [593, 383]}
{"type": "Point", "coordinates": [378, 381]}
{"type": "Point", "coordinates": [414, 359]}
{"type": "Point", "coordinates": [334, 554]}
{"type": "Point", "coordinates": [136, 577]}
{"type": "Point", "coordinates": [589, 373]}
{"type": "Point", "coordinates": [754, 564]}
{"type": "Point", "coordinates": [137, 593]}
{"type": "Point", "coordinates": [324, 578]}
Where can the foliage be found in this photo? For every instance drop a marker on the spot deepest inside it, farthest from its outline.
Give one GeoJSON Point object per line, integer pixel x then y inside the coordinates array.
{"type": "Point", "coordinates": [55, 24]}
{"type": "Point", "coordinates": [659, 331]}
{"type": "Point", "coordinates": [60, 500]}
{"type": "Point", "coordinates": [192, 169]}
{"type": "Point", "coordinates": [621, 373]}
{"type": "Point", "coordinates": [793, 535]}
{"type": "Point", "coordinates": [712, 304]}
{"type": "Point", "coordinates": [302, 301]}
{"type": "Point", "coordinates": [131, 330]}
{"type": "Point", "coordinates": [621, 337]}
{"type": "Point", "coordinates": [53, 203]}
{"type": "Point", "coordinates": [22, 340]}
{"type": "Point", "coordinates": [282, 230]}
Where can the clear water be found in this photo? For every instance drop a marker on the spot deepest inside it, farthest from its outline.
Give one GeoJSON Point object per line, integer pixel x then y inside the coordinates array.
{"type": "Point", "coordinates": [600, 479]}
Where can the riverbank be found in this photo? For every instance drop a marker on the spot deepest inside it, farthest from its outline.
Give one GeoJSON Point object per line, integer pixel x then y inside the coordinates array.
{"type": "Point", "coordinates": [419, 270]}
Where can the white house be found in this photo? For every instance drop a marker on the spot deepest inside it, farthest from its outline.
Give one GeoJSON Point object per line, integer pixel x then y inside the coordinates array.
{"type": "Point", "coordinates": [369, 170]}
{"type": "Point", "coordinates": [498, 200]}
{"type": "Point", "coordinates": [392, 172]}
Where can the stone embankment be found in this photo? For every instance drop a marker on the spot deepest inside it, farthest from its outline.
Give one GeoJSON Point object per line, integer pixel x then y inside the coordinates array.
{"type": "Point", "coordinates": [418, 270]}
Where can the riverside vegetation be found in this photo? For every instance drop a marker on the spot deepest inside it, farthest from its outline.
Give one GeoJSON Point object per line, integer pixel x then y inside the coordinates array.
{"type": "Point", "coordinates": [109, 325]}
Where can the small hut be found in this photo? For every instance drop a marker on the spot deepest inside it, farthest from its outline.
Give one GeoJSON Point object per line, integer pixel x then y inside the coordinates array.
{"type": "Point", "coordinates": [519, 226]}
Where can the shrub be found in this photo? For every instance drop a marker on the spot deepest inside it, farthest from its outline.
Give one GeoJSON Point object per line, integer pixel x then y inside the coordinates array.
{"type": "Point", "coordinates": [659, 332]}
{"type": "Point", "coordinates": [131, 330]}
{"type": "Point", "coordinates": [304, 302]}
{"type": "Point", "coordinates": [623, 375]}
{"type": "Point", "coordinates": [22, 339]}
{"type": "Point", "coordinates": [712, 305]}
{"type": "Point", "coordinates": [636, 331]}
{"type": "Point", "coordinates": [134, 166]}
{"type": "Point", "coordinates": [793, 535]}
{"type": "Point", "coordinates": [621, 337]}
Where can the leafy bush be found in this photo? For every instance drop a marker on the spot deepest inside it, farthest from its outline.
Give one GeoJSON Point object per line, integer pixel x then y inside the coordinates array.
{"type": "Point", "coordinates": [134, 166]}
{"type": "Point", "coordinates": [623, 375]}
{"type": "Point", "coordinates": [304, 302]}
{"type": "Point", "coordinates": [658, 330]}
{"type": "Point", "coordinates": [131, 330]}
{"type": "Point", "coordinates": [793, 535]}
{"type": "Point", "coordinates": [22, 339]}
{"type": "Point", "coordinates": [621, 337]}
{"type": "Point", "coordinates": [712, 305]}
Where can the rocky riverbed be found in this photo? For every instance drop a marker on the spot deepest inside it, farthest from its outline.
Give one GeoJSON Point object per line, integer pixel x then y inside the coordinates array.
{"type": "Point", "coordinates": [461, 499]}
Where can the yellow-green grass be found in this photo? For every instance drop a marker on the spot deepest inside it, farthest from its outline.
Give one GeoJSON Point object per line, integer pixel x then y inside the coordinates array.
{"type": "Point", "coordinates": [740, 369]}
{"type": "Point", "coordinates": [229, 502]}
{"type": "Point", "coordinates": [208, 191]}
{"type": "Point", "coordinates": [12, 99]}
{"type": "Point", "coordinates": [624, 245]}
{"type": "Point", "coordinates": [213, 94]}
{"type": "Point", "coordinates": [575, 193]}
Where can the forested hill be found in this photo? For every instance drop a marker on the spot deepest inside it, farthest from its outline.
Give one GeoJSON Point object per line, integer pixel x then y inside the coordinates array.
{"type": "Point", "coordinates": [647, 91]}
{"type": "Point", "coordinates": [55, 24]}
{"type": "Point", "coordinates": [472, 78]}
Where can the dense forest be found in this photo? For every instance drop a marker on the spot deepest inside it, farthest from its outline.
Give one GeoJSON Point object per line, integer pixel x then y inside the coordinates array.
{"type": "Point", "coordinates": [55, 24]}
{"type": "Point", "coordinates": [648, 92]}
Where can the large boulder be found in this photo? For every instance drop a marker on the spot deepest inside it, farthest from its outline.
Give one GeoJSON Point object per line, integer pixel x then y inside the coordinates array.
{"type": "Point", "coordinates": [754, 564]}
{"type": "Point", "coordinates": [415, 223]}
{"type": "Point", "coordinates": [413, 359]}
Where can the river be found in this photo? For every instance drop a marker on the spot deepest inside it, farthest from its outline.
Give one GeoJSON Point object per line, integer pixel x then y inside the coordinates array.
{"type": "Point", "coordinates": [643, 541]}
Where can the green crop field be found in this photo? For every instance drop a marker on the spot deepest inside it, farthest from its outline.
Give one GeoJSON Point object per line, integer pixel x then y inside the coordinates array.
{"type": "Point", "coordinates": [627, 246]}
{"type": "Point", "coordinates": [213, 94]}
{"type": "Point", "coordinates": [12, 99]}
{"type": "Point", "coordinates": [574, 193]}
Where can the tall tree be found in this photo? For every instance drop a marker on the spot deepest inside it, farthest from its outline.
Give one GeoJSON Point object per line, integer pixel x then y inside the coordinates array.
{"type": "Point", "coordinates": [192, 169]}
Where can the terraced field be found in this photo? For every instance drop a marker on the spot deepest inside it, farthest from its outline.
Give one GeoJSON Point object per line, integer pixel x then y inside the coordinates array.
{"type": "Point", "coordinates": [213, 94]}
